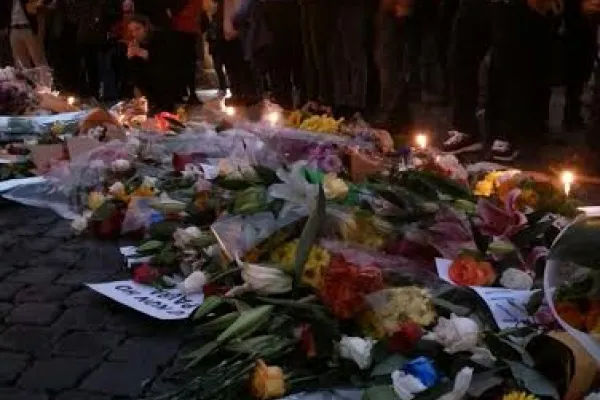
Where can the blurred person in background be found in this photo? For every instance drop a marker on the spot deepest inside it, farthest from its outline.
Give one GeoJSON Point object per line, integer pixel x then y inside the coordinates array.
{"type": "Point", "coordinates": [216, 41]}
{"type": "Point", "coordinates": [591, 10]}
{"type": "Point", "coordinates": [151, 62]}
{"type": "Point", "coordinates": [186, 24]}
{"type": "Point", "coordinates": [19, 19]}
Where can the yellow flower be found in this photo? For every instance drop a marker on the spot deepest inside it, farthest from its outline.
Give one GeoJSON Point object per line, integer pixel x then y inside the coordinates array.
{"type": "Point", "coordinates": [267, 382]}
{"type": "Point", "coordinates": [370, 325]}
{"type": "Point", "coordinates": [363, 232]}
{"type": "Point", "coordinates": [516, 395]}
{"type": "Point", "coordinates": [484, 188]}
{"type": "Point", "coordinates": [95, 200]}
{"type": "Point", "coordinates": [318, 259]}
{"type": "Point", "coordinates": [285, 255]}
{"type": "Point", "coordinates": [406, 303]}
{"type": "Point", "coordinates": [143, 191]}
{"type": "Point", "coordinates": [334, 187]}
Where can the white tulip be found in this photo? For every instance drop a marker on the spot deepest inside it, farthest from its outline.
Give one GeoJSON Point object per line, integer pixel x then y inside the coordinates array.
{"type": "Point", "coordinates": [516, 279]}
{"type": "Point", "coordinates": [358, 350]}
{"type": "Point", "coordinates": [184, 237]}
{"type": "Point", "coordinates": [406, 385]}
{"type": "Point", "coordinates": [455, 334]}
{"type": "Point", "coordinates": [194, 283]}
{"type": "Point", "coordinates": [120, 165]}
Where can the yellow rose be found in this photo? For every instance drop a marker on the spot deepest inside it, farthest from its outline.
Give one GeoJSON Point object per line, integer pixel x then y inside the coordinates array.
{"type": "Point", "coordinates": [318, 260]}
{"type": "Point", "coordinates": [267, 382]}
{"type": "Point", "coordinates": [95, 200]}
{"type": "Point", "coordinates": [334, 187]}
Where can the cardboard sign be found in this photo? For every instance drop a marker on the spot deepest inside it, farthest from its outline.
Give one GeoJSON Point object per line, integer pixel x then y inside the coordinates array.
{"type": "Point", "coordinates": [508, 306]}
{"type": "Point", "coordinates": [163, 304]}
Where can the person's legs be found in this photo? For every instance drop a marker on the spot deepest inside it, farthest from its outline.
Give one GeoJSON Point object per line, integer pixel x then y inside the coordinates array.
{"type": "Point", "coordinates": [190, 66]}
{"type": "Point", "coordinates": [349, 57]}
{"type": "Point", "coordinates": [469, 44]}
{"type": "Point", "coordinates": [310, 74]}
{"type": "Point", "coordinates": [320, 20]}
{"type": "Point", "coordinates": [392, 35]}
{"type": "Point", "coordinates": [18, 44]}
{"type": "Point", "coordinates": [219, 67]}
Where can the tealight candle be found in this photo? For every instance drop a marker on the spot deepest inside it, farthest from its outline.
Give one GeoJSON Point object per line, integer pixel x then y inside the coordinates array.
{"type": "Point", "coordinates": [273, 117]}
{"type": "Point", "coordinates": [229, 111]}
{"type": "Point", "coordinates": [567, 178]}
{"type": "Point", "coordinates": [421, 141]}
{"type": "Point", "coordinates": [71, 100]}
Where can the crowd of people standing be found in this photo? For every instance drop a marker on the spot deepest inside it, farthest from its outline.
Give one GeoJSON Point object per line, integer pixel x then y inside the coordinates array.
{"type": "Point", "coordinates": [371, 57]}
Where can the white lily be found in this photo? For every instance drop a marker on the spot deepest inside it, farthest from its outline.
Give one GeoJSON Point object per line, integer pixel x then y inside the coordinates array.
{"type": "Point", "coordinates": [295, 188]}
{"type": "Point", "coordinates": [455, 334]}
{"type": "Point", "coordinates": [358, 350]}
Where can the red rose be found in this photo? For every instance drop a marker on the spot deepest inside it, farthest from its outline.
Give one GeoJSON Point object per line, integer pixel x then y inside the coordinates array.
{"type": "Point", "coordinates": [212, 289]}
{"type": "Point", "coordinates": [180, 161]}
{"type": "Point", "coordinates": [145, 274]}
{"type": "Point", "coordinates": [109, 228]}
{"type": "Point", "coordinates": [405, 338]}
{"type": "Point", "coordinates": [345, 286]}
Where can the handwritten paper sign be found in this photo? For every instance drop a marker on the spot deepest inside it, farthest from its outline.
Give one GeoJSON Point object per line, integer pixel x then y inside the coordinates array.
{"type": "Point", "coordinates": [164, 304]}
{"type": "Point", "coordinates": [131, 256]}
{"type": "Point", "coordinates": [507, 305]}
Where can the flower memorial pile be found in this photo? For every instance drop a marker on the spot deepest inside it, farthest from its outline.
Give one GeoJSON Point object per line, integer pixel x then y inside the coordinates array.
{"type": "Point", "coordinates": [314, 281]}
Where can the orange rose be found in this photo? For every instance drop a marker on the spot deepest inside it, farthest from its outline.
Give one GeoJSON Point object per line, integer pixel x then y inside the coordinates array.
{"type": "Point", "coordinates": [466, 271]}
{"type": "Point", "coordinates": [571, 314]}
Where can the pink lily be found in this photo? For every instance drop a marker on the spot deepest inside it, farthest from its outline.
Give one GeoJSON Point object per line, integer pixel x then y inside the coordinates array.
{"type": "Point", "coordinates": [498, 222]}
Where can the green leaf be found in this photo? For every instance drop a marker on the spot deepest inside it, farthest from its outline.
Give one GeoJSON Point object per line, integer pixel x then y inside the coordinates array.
{"type": "Point", "coordinates": [579, 243]}
{"type": "Point", "coordinates": [390, 364]}
{"type": "Point", "coordinates": [149, 247]}
{"type": "Point", "coordinates": [208, 305]}
{"type": "Point", "coordinates": [383, 392]}
{"type": "Point", "coordinates": [196, 356]}
{"type": "Point", "coordinates": [532, 380]}
{"type": "Point", "coordinates": [105, 211]}
{"type": "Point", "coordinates": [309, 237]}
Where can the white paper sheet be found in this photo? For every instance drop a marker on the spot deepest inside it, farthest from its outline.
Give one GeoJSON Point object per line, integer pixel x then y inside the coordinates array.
{"type": "Point", "coordinates": [12, 183]}
{"type": "Point", "coordinates": [164, 304]}
{"type": "Point", "coordinates": [507, 305]}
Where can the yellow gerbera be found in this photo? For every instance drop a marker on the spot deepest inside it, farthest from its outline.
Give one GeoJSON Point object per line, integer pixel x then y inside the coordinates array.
{"type": "Point", "coordinates": [484, 188]}
{"type": "Point", "coordinates": [516, 395]}
{"type": "Point", "coordinates": [95, 200]}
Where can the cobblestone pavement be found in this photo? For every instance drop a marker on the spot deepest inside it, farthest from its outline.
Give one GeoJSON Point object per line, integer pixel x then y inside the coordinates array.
{"type": "Point", "coordinates": [60, 340]}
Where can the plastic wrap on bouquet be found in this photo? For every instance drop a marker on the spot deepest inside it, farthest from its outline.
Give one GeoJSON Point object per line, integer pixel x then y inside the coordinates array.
{"type": "Point", "coordinates": [19, 128]}
{"type": "Point", "coordinates": [572, 289]}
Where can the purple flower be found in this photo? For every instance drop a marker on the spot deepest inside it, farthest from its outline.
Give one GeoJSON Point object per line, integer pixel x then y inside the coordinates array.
{"type": "Point", "coordinates": [325, 157]}
{"type": "Point", "coordinates": [499, 222]}
{"type": "Point", "coordinates": [331, 163]}
{"type": "Point", "coordinates": [450, 234]}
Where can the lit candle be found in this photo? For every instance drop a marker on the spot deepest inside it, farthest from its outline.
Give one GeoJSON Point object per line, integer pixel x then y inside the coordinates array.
{"type": "Point", "coordinates": [567, 178]}
{"type": "Point", "coordinates": [71, 100]}
{"type": "Point", "coordinates": [230, 111]}
{"type": "Point", "coordinates": [421, 141]}
{"type": "Point", "coordinates": [273, 117]}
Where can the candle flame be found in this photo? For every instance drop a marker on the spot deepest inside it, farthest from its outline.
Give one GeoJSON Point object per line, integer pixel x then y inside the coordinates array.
{"type": "Point", "coordinates": [273, 117]}
{"type": "Point", "coordinates": [421, 141]}
{"type": "Point", "coordinates": [71, 100]}
{"type": "Point", "coordinates": [567, 178]}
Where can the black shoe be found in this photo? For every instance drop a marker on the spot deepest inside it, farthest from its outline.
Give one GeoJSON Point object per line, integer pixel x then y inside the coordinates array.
{"type": "Point", "coordinates": [458, 143]}
{"type": "Point", "coordinates": [504, 151]}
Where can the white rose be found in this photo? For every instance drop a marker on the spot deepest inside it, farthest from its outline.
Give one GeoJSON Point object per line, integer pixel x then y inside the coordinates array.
{"type": "Point", "coordinates": [194, 283]}
{"type": "Point", "coordinates": [462, 382]}
{"type": "Point", "coordinates": [406, 385]}
{"type": "Point", "coordinates": [116, 189]}
{"type": "Point", "coordinates": [183, 237]}
{"type": "Point", "coordinates": [79, 224]}
{"type": "Point", "coordinates": [516, 279]}
{"type": "Point", "coordinates": [358, 350]}
{"type": "Point", "coordinates": [120, 165]}
{"type": "Point", "coordinates": [455, 334]}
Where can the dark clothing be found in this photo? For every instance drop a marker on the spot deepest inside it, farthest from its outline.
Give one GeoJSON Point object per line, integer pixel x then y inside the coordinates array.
{"type": "Point", "coordinates": [241, 78]}
{"type": "Point", "coordinates": [391, 58]}
{"type": "Point", "coordinates": [317, 24]}
{"type": "Point", "coordinates": [6, 7]}
{"type": "Point", "coordinates": [151, 76]}
{"type": "Point", "coordinates": [187, 58]}
{"type": "Point", "coordinates": [519, 40]}
{"type": "Point", "coordinates": [156, 11]}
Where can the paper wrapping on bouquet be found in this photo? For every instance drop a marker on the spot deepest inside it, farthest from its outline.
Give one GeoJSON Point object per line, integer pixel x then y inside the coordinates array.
{"type": "Point", "coordinates": [237, 234]}
{"type": "Point", "coordinates": [21, 128]}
